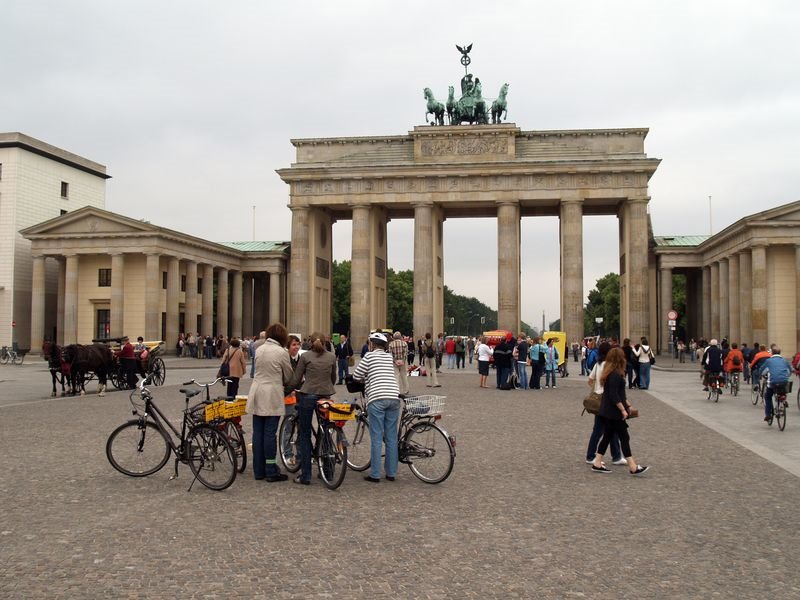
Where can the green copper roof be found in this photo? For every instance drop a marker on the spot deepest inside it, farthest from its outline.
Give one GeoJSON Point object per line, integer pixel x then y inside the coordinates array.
{"type": "Point", "coordinates": [258, 246]}
{"type": "Point", "coordinates": [680, 240]}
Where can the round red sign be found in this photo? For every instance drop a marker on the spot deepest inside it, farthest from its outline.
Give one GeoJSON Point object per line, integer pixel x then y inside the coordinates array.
{"type": "Point", "coordinates": [672, 315]}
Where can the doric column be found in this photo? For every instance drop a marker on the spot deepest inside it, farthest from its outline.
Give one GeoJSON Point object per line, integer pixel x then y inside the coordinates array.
{"type": "Point", "coordinates": [62, 290]}
{"type": "Point", "coordinates": [724, 287]}
{"type": "Point", "coordinates": [117, 294]}
{"type": "Point", "coordinates": [734, 332]}
{"type": "Point", "coordinates": [152, 297]}
{"type": "Point", "coordinates": [190, 309]}
{"type": "Point", "coordinates": [423, 269]}
{"type": "Point", "coordinates": [797, 294]}
{"type": "Point", "coordinates": [665, 305]}
{"type": "Point", "coordinates": [508, 274]}
{"type": "Point", "coordinates": [275, 298]}
{"type": "Point", "coordinates": [706, 329]}
{"type": "Point", "coordinates": [37, 304]}
{"type": "Point", "coordinates": [222, 302]}
{"type": "Point", "coordinates": [71, 300]}
{"type": "Point", "coordinates": [173, 301]}
{"type": "Point", "coordinates": [360, 274]}
{"type": "Point", "coordinates": [236, 304]}
{"type": "Point", "coordinates": [759, 311]}
{"type": "Point", "coordinates": [208, 300]}
{"type": "Point", "coordinates": [746, 297]}
{"type": "Point", "coordinates": [714, 300]}
{"type": "Point", "coordinates": [637, 263]}
{"type": "Point", "coordinates": [247, 309]}
{"type": "Point", "coordinates": [300, 274]}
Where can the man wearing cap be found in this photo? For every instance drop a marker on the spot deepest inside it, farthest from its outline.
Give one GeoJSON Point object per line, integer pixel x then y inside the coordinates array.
{"type": "Point", "coordinates": [376, 370]}
{"type": "Point", "coordinates": [712, 363]}
{"type": "Point", "coordinates": [399, 351]}
{"type": "Point", "coordinates": [128, 358]}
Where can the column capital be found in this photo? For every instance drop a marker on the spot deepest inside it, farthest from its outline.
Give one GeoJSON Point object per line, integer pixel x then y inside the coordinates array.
{"type": "Point", "coordinates": [356, 205]}
{"type": "Point", "coordinates": [570, 199]}
{"type": "Point", "coordinates": [422, 204]}
{"type": "Point", "coordinates": [507, 203]}
{"type": "Point", "coordinates": [299, 208]}
{"type": "Point", "coordinates": [638, 199]}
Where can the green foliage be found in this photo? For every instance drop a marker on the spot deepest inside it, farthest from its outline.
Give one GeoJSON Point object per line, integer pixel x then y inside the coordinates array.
{"type": "Point", "coordinates": [466, 313]}
{"type": "Point", "coordinates": [400, 298]}
{"type": "Point", "coordinates": [679, 304]}
{"type": "Point", "coordinates": [603, 302]}
{"type": "Point", "coordinates": [340, 314]}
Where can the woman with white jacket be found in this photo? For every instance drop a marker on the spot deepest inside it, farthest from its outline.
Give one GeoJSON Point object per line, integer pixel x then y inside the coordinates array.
{"type": "Point", "coordinates": [643, 353]}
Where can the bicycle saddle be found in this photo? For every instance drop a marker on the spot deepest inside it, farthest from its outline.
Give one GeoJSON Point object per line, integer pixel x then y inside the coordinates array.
{"type": "Point", "coordinates": [189, 393]}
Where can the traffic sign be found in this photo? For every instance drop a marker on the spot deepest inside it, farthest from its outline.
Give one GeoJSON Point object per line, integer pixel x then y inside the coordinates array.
{"type": "Point", "coordinates": [672, 315]}
{"type": "Point", "coordinates": [672, 323]}
{"type": "Point", "coordinates": [13, 323]}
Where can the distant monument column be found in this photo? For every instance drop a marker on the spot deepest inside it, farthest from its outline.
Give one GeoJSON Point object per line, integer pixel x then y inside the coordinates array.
{"type": "Point", "coordinates": [190, 303]}
{"type": "Point", "coordinates": [571, 240]}
{"type": "Point", "coordinates": [637, 267]}
{"type": "Point", "coordinates": [71, 301]}
{"type": "Point", "coordinates": [236, 305]}
{"type": "Point", "coordinates": [734, 332]}
{"type": "Point", "coordinates": [508, 270]}
{"type": "Point", "coordinates": [705, 330]}
{"type": "Point", "coordinates": [759, 311]}
{"type": "Point", "coordinates": [222, 303]}
{"type": "Point", "coordinates": [173, 301]}
{"type": "Point", "coordinates": [208, 300]}
{"type": "Point", "coordinates": [117, 294]}
{"type": "Point", "coordinates": [724, 313]}
{"type": "Point", "coordinates": [310, 284]}
{"type": "Point", "coordinates": [664, 307]}
{"type": "Point", "coordinates": [428, 309]}
{"type": "Point", "coordinates": [37, 304]}
{"type": "Point", "coordinates": [152, 297]}
{"type": "Point", "coordinates": [368, 272]}
{"type": "Point", "coordinates": [299, 274]}
{"type": "Point", "coordinates": [797, 293]}
{"type": "Point", "coordinates": [714, 300]}
{"type": "Point", "coordinates": [746, 298]}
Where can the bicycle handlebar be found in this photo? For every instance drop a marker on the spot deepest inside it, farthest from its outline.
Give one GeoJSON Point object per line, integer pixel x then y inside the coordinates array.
{"type": "Point", "coordinates": [215, 382]}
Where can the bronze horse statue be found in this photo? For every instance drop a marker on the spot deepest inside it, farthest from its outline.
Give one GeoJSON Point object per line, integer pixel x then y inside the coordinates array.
{"type": "Point", "coordinates": [84, 360]}
{"type": "Point", "coordinates": [434, 107]}
{"type": "Point", "coordinates": [500, 106]}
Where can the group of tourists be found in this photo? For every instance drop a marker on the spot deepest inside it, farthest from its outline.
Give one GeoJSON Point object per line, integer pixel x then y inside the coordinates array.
{"type": "Point", "coordinates": [195, 345]}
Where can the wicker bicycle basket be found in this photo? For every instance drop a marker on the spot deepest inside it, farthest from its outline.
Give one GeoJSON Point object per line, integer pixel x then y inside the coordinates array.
{"type": "Point", "coordinates": [427, 405]}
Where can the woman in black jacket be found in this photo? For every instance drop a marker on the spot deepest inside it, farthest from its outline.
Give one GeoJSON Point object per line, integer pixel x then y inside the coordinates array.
{"type": "Point", "coordinates": [614, 410]}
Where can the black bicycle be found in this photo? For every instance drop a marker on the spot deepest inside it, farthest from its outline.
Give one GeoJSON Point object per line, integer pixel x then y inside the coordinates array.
{"type": "Point", "coordinates": [780, 404]}
{"type": "Point", "coordinates": [329, 447]}
{"type": "Point", "coordinates": [734, 383]}
{"type": "Point", "coordinates": [427, 449]}
{"type": "Point", "coordinates": [225, 420]}
{"type": "Point", "coordinates": [142, 446]}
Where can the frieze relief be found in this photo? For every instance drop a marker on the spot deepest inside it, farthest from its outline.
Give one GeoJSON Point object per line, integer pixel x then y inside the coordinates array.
{"type": "Point", "coordinates": [466, 183]}
{"type": "Point", "coordinates": [464, 146]}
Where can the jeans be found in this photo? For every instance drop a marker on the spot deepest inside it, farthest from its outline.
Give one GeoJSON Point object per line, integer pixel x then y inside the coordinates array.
{"type": "Point", "coordinates": [306, 403]}
{"type": "Point", "coordinates": [584, 370]}
{"type": "Point", "coordinates": [522, 373]}
{"type": "Point", "coordinates": [459, 360]}
{"type": "Point", "coordinates": [233, 387]}
{"type": "Point", "coordinates": [383, 418]}
{"type": "Point", "coordinates": [548, 375]}
{"type": "Point", "coordinates": [451, 361]}
{"type": "Point", "coordinates": [594, 440]}
{"type": "Point", "coordinates": [536, 376]}
{"type": "Point", "coordinates": [344, 370]}
{"type": "Point", "coordinates": [502, 375]}
{"type": "Point", "coordinates": [265, 446]}
{"type": "Point", "coordinates": [644, 375]}
{"type": "Point", "coordinates": [629, 374]}
{"type": "Point", "coordinates": [768, 406]}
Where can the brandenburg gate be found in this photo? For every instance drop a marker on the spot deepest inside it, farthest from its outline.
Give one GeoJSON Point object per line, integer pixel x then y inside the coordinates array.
{"type": "Point", "coordinates": [463, 171]}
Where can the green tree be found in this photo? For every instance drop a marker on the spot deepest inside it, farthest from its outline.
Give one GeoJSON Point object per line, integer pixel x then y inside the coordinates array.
{"type": "Point", "coordinates": [603, 302]}
{"type": "Point", "coordinates": [340, 283]}
{"type": "Point", "coordinates": [400, 295]}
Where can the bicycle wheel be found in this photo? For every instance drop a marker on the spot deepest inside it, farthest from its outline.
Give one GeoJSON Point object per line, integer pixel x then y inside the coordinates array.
{"type": "Point", "coordinates": [715, 391]}
{"type": "Point", "coordinates": [735, 386]}
{"type": "Point", "coordinates": [137, 448]}
{"type": "Point", "coordinates": [17, 359]}
{"type": "Point", "coordinates": [358, 450]}
{"type": "Point", "coordinates": [754, 393]}
{"type": "Point", "coordinates": [235, 436]}
{"type": "Point", "coordinates": [429, 453]}
{"type": "Point", "coordinates": [4, 358]}
{"type": "Point", "coordinates": [211, 457]}
{"type": "Point", "coordinates": [159, 371]}
{"type": "Point", "coordinates": [780, 414]}
{"type": "Point", "coordinates": [798, 397]}
{"type": "Point", "coordinates": [289, 443]}
{"type": "Point", "coordinates": [332, 457]}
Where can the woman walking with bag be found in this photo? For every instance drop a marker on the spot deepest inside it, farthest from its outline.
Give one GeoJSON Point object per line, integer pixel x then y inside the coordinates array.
{"type": "Point", "coordinates": [233, 362]}
{"type": "Point", "coordinates": [614, 412]}
{"type": "Point", "coordinates": [597, 430]}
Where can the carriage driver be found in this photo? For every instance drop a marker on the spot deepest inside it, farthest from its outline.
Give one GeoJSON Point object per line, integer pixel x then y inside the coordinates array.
{"type": "Point", "coordinates": [128, 357]}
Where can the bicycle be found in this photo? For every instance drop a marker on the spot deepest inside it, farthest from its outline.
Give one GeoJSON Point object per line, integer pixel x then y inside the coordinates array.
{"type": "Point", "coordinates": [757, 391]}
{"type": "Point", "coordinates": [780, 404]}
{"type": "Point", "coordinates": [715, 385]}
{"type": "Point", "coordinates": [427, 449]}
{"type": "Point", "coordinates": [230, 426]}
{"type": "Point", "coordinates": [329, 448]}
{"type": "Point", "coordinates": [12, 356]}
{"type": "Point", "coordinates": [734, 383]}
{"type": "Point", "coordinates": [142, 446]}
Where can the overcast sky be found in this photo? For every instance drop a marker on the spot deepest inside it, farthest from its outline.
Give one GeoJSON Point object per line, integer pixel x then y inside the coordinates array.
{"type": "Point", "coordinates": [191, 105]}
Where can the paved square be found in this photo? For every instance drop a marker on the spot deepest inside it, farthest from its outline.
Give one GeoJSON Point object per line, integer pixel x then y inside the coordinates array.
{"type": "Point", "coordinates": [521, 516]}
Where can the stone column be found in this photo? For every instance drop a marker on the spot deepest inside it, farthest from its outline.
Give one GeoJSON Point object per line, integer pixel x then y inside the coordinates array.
{"type": "Point", "coordinates": [423, 269]}
{"type": "Point", "coordinates": [37, 304]}
{"type": "Point", "coordinates": [664, 307]}
{"type": "Point", "coordinates": [71, 300]}
{"type": "Point", "coordinates": [208, 300]}
{"type": "Point", "coordinates": [797, 294]}
{"type": "Point", "coordinates": [173, 301]}
{"type": "Point", "coordinates": [152, 298]}
{"type": "Point", "coordinates": [247, 309]}
{"type": "Point", "coordinates": [360, 274]}
{"type": "Point", "coordinates": [236, 302]}
{"type": "Point", "coordinates": [714, 300]}
{"type": "Point", "coordinates": [637, 263]}
{"type": "Point", "coordinates": [222, 302]}
{"type": "Point", "coordinates": [734, 332]}
{"type": "Point", "coordinates": [759, 311]}
{"type": "Point", "coordinates": [746, 296]}
{"type": "Point", "coordinates": [190, 304]}
{"type": "Point", "coordinates": [706, 328]}
{"type": "Point", "coordinates": [275, 299]}
{"type": "Point", "coordinates": [62, 290]}
{"type": "Point", "coordinates": [508, 273]}
{"type": "Point", "coordinates": [300, 274]}
{"type": "Point", "coordinates": [724, 312]}
{"type": "Point", "coordinates": [117, 294]}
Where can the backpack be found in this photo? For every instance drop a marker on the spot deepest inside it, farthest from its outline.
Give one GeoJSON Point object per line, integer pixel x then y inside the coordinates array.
{"type": "Point", "coordinates": [736, 361]}
{"type": "Point", "coordinates": [429, 350]}
{"type": "Point", "coordinates": [591, 359]}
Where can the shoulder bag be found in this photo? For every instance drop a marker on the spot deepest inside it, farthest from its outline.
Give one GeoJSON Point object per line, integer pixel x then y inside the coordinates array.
{"type": "Point", "coordinates": [225, 367]}
{"type": "Point", "coordinates": [591, 403]}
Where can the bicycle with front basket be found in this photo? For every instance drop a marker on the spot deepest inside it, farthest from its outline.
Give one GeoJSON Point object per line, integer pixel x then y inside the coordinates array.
{"type": "Point", "coordinates": [427, 449]}
{"type": "Point", "coordinates": [143, 445]}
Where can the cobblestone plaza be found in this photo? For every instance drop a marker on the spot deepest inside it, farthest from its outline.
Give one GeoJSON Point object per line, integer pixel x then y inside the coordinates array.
{"type": "Point", "coordinates": [521, 516]}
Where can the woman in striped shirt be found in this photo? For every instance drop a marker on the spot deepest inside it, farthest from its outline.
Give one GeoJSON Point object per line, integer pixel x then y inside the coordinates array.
{"type": "Point", "coordinates": [376, 370]}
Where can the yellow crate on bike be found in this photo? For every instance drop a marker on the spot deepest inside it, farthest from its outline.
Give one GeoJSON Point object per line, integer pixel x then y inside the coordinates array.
{"type": "Point", "coordinates": [236, 408]}
{"type": "Point", "coordinates": [341, 412]}
{"type": "Point", "coordinates": [215, 410]}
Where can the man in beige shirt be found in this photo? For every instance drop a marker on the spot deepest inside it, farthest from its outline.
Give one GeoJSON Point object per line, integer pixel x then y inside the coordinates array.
{"type": "Point", "coordinates": [399, 351]}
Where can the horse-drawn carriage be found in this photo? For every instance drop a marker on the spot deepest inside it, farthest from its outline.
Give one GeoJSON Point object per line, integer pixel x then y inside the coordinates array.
{"type": "Point", "coordinates": [148, 362]}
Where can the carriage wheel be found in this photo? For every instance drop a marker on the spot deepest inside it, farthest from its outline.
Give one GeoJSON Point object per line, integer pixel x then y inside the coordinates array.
{"type": "Point", "coordinates": [117, 377]}
{"type": "Point", "coordinates": [159, 371]}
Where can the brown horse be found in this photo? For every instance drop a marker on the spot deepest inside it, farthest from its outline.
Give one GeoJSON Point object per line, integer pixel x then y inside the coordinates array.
{"type": "Point", "coordinates": [60, 371]}
{"type": "Point", "coordinates": [84, 360]}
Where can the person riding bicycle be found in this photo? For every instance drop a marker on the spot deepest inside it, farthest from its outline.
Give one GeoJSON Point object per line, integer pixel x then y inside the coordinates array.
{"type": "Point", "coordinates": [734, 360]}
{"type": "Point", "coordinates": [376, 370]}
{"type": "Point", "coordinates": [778, 372]}
{"type": "Point", "coordinates": [757, 363]}
{"type": "Point", "coordinates": [712, 363]}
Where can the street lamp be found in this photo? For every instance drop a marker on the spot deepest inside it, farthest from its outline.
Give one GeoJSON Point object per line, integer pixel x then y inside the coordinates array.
{"type": "Point", "coordinates": [599, 321]}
